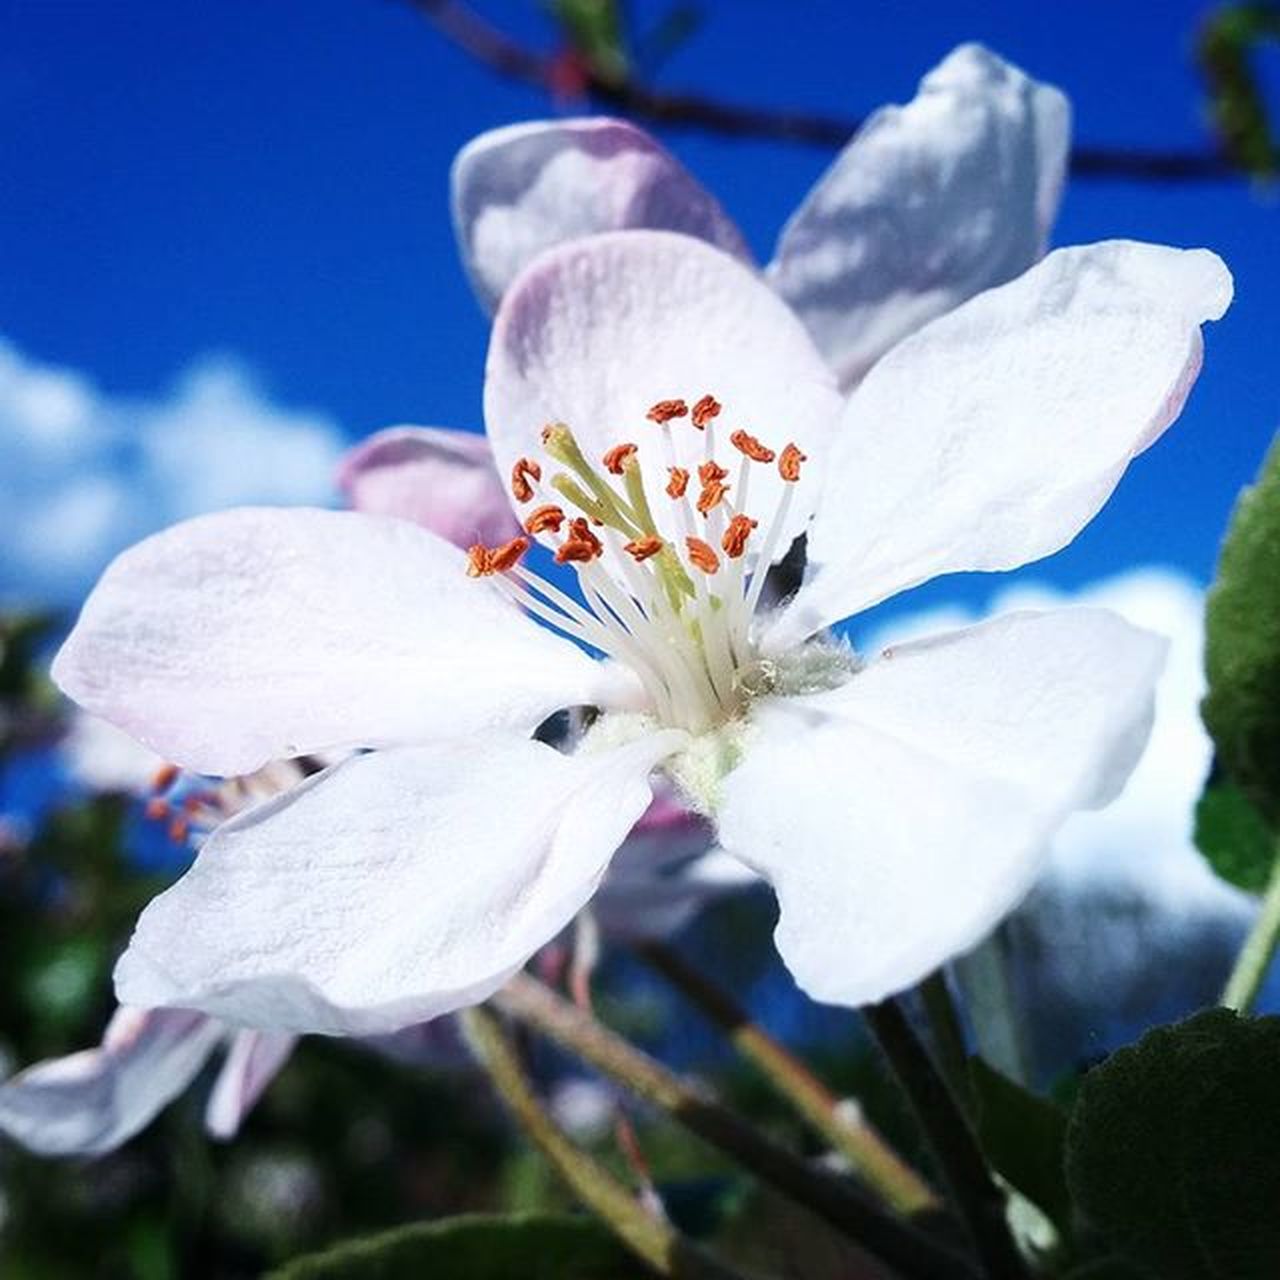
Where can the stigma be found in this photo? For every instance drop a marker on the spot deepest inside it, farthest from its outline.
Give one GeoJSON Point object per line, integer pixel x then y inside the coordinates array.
{"type": "Point", "coordinates": [677, 608]}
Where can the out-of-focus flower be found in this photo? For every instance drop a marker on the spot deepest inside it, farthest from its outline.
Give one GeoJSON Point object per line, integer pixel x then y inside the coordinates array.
{"type": "Point", "coordinates": [899, 807]}
{"type": "Point", "coordinates": [928, 204]}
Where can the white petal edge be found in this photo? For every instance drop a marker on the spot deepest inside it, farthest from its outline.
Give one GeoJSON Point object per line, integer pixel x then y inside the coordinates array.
{"type": "Point", "coordinates": [252, 635]}
{"type": "Point", "coordinates": [928, 205]}
{"type": "Point", "coordinates": [392, 888]}
{"type": "Point", "coordinates": [993, 436]}
{"type": "Point", "coordinates": [92, 1102]}
{"type": "Point", "coordinates": [901, 816]}
{"type": "Point", "coordinates": [519, 190]}
{"type": "Point", "coordinates": [252, 1063]}
{"type": "Point", "coordinates": [595, 332]}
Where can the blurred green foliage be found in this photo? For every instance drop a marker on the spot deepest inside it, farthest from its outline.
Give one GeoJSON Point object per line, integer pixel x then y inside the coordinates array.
{"type": "Point", "coordinates": [1229, 42]}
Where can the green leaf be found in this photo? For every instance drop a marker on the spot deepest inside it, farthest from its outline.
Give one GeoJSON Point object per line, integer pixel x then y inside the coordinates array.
{"type": "Point", "coordinates": [1233, 836]}
{"type": "Point", "coordinates": [595, 29]}
{"type": "Point", "coordinates": [476, 1247]}
{"type": "Point", "coordinates": [1242, 644]}
{"type": "Point", "coordinates": [1226, 48]}
{"type": "Point", "coordinates": [1173, 1150]}
{"type": "Point", "coordinates": [1105, 1269]}
{"type": "Point", "coordinates": [1023, 1136]}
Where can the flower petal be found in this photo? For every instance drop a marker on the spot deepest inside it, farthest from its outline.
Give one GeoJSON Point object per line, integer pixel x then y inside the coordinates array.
{"type": "Point", "coordinates": [392, 888]}
{"type": "Point", "coordinates": [92, 1102]}
{"type": "Point", "coordinates": [991, 437]}
{"type": "Point", "coordinates": [928, 204]}
{"type": "Point", "coordinates": [597, 331]}
{"type": "Point", "coordinates": [258, 634]}
{"type": "Point", "coordinates": [441, 479]}
{"type": "Point", "coordinates": [254, 1061]}
{"type": "Point", "coordinates": [900, 816]}
{"type": "Point", "coordinates": [524, 188]}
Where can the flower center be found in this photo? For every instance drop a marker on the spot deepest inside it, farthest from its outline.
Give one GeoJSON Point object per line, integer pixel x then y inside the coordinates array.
{"type": "Point", "coordinates": [677, 610]}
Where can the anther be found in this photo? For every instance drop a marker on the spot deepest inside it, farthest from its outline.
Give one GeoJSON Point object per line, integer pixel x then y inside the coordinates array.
{"type": "Point", "coordinates": [701, 555]}
{"type": "Point", "coordinates": [789, 463]}
{"type": "Point", "coordinates": [735, 537]}
{"type": "Point", "coordinates": [752, 447]}
{"type": "Point", "coordinates": [544, 518]}
{"type": "Point", "coordinates": [711, 470]}
{"type": "Point", "coordinates": [712, 495]}
{"type": "Point", "coordinates": [615, 459]}
{"type": "Point", "coordinates": [665, 410]}
{"type": "Point", "coordinates": [524, 470]}
{"type": "Point", "coordinates": [478, 561]}
{"type": "Point", "coordinates": [706, 409]}
{"type": "Point", "coordinates": [164, 777]}
{"type": "Point", "coordinates": [642, 548]}
{"type": "Point", "coordinates": [581, 546]}
{"type": "Point", "coordinates": [678, 483]}
{"type": "Point", "coordinates": [179, 829]}
{"type": "Point", "coordinates": [157, 809]}
{"type": "Point", "coordinates": [508, 555]}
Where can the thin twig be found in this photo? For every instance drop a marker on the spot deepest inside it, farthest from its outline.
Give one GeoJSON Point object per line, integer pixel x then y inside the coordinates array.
{"type": "Point", "coordinates": [841, 1124]}
{"type": "Point", "coordinates": [947, 1034]}
{"type": "Point", "coordinates": [463, 27]}
{"type": "Point", "coordinates": [914, 1255]}
{"type": "Point", "coordinates": [978, 1199]}
{"type": "Point", "coordinates": [1259, 948]}
{"type": "Point", "coordinates": [651, 1238]}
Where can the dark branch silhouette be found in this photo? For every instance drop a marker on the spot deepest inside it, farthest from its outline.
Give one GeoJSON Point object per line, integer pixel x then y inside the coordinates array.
{"type": "Point", "coordinates": [479, 38]}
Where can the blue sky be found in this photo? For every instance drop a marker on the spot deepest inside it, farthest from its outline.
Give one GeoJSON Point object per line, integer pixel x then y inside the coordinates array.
{"type": "Point", "coordinates": [267, 182]}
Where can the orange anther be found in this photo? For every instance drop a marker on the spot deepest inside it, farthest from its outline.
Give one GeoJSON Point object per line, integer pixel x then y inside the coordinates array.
{"type": "Point", "coordinates": [643, 548]}
{"type": "Point", "coordinates": [157, 809]}
{"type": "Point", "coordinates": [508, 555]}
{"type": "Point", "coordinates": [540, 519]}
{"type": "Point", "coordinates": [524, 470]}
{"type": "Point", "coordinates": [735, 537]}
{"type": "Point", "coordinates": [616, 458]}
{"type": "Point", "coordinates": [702, 556]}
{"type": "Point", "coordinates": [678, 483]}
{"type": "Point", "coordinates": [478, 561]}
{"type": "Point", "coordinates": [712, 495]}
{"type": "Point", "coordinates": [706, 409]}
{"type": "Point", "coordinates": [665, 410]}
{"type": "Point", "coordinates": [752, 447]}
{"type": "Point", "coordinates": [710, 471]}
{"type": "Point", "coordinates": [164, 777]}
{"type": "Point", "coordinates": [581, 546]}
{"type": "Point", "coordinates": [581, 530]}
{"type": "Point", "coordinates": [789, 463]}
{"type": "Point", "coordinates": [179, 829]}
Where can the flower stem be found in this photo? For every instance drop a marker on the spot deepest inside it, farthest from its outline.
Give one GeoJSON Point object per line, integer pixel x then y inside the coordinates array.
{"type": "Point", "coordinates": [840, 1123]}
{"type": "Point", "coordinates": [651, 1238]}
{"type": "Point", "coordinates": [947, 1034]}
{"type": "Point", "coordinates": [984, 981]}
{"type": "Point", "coordinates": [976, 1196]}
{"type": "Point", "coordinates": [1259, 947]}
{"type": "Point", "coordinates": [915, 1255]}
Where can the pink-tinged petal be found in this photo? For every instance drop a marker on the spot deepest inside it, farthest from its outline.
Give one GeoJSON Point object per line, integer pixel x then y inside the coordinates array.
{"type": "Point", "coordinates": [900, 816]}
{"type": "Point", "coordinates": [519, 190]}
{"type": "Point", "coordinates": [253, 1062]}
{"type": "Point", "coordinates": [992, 437]}
{"type": "Point", "coordinates": [259, 634]}
{"type": "Point", "coordinates": [106, 759]}
{"type": "Point", "coordinates": [928, 205]}
{"type": "Point", "coordinates": [595, 332]}
{"type": "Point", "coordinates": [392, 888]}
{"type": "Point", "coordinates": [94, 1101]}
{"type": "Point", "coordinates": [440, 479]}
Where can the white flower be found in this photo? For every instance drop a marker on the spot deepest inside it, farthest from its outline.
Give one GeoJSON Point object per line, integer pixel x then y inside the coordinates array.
{"type": "Point", "coordinates": [899, 806]}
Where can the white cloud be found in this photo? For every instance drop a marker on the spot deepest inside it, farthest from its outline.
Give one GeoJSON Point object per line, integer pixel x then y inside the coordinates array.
{"type": "Point", "coordinates": [86, 473]}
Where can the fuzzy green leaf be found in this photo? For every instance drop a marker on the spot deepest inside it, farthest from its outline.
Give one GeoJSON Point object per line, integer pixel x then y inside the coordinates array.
{"type": "Point", "coordinates": [1233, 836]}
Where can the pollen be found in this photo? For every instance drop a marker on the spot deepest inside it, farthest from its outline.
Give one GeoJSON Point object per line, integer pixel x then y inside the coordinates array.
{"type": "Point", "coordinates": [581, 546]}
{"type": "Point", "coordinates": [157, 809]}
{"type": "Point", "coordinates": [643, 548]}
{"type": "Point", "coordinates": [524, 471]}
{"type": "Point", "coordinates": [544, 518]}
{"type": "Point", "coordinates": [508, 555]}
{"type": "Point", "coordinates": [735, 537]}
{"type": "Point", "coordinates": [711, 470]}
{"type": "Point", "coordinates": [164, 777]}
{"type": "Point", "coordinates": [705, 409]}
{"type": "Point", "coordinates": [789, 463]}
{"type": "Point", "coordinates": [712, 495]}
{"type": "Point", "coordinates": [678, 483]}
{"type": "Point", "coordinates": [752, 447]}
{"type": "Point", "coordinates": [478, 561]}
{"type": "Point", "coordinates": [616, 458]}
{"type": "Point", "coordinates": [702, 555]}
{"type": "Point", "coordinates": [665, 410]}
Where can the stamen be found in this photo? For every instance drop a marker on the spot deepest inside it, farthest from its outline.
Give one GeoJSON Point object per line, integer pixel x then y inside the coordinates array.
{"type": "Point", "coordinates": [789, 463]}
{"type": "Point", "coordinates": [735, 537]}
{"type": "Point", "coordinates": [546, 518]}
{"type": "Point", "coordinates": [524, 470]}
{"type": "Point", "coordinates": [706, 409]}
{"type": "Point", "coordinates": [164, 777]}
{"type": "Point", "coordinates": [665, 410]}
{"type": "Point", "coordinates": [617, 456]}
{"type": "Point", "coordinates": [712, 495]}
{"type": "Point", "coordinates": [701, 556]}
{"type": "Point", "coordinates": [157, 809]}
{"type": "Point", "coordinates": [179, 829]}
{"type": "Point", "coordinates": [711, 470]}
{"type": "Point", "coordinates": [478, 561]}
{"type": "Point", "coordinates": [752, 447]}
{"type": "Point", "coordinates": [641, 549]}
{"type": "Point", "coordinates": [508, 555]}
{"type": "Point", "coordinates": [678, 483]}
{"type": "Point", "coordinates": [581, 547]}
